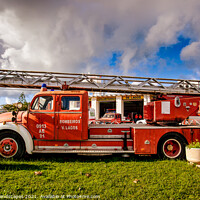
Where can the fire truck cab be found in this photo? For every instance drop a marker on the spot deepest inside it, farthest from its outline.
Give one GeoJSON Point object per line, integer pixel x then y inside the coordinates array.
{"type": "Point", "coordinates": [59, 115]}
{"type": "Point", "coordinates": [57, 122]}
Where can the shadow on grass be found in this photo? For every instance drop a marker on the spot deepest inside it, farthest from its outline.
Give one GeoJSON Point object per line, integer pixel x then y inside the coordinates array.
{"type": "Point", "coordinates": [18, 167]}
{"type": "Point", "coordinates": [61, 158]}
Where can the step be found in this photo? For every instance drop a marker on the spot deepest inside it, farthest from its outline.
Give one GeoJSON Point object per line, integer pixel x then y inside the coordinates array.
{"type": "Point", "coordinates": [81, 151]}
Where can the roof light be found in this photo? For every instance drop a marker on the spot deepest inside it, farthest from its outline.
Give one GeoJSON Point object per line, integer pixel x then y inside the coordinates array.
{"type": "Point", "coordinates": [43, 88]}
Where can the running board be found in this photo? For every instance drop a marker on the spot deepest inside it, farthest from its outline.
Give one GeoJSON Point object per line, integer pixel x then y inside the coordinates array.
{"type": "Point", "coordinates": [81, 151]}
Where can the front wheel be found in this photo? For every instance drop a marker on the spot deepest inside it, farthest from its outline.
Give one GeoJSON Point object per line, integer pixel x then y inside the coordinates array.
{"type": "Point", "coordinates": [11, 145]}
{"type": "Point", "coordinates": [172, 147]}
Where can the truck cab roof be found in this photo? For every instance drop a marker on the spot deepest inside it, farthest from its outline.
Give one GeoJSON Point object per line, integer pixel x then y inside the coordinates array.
{"type": "Point", "coordinates": [70, 92]}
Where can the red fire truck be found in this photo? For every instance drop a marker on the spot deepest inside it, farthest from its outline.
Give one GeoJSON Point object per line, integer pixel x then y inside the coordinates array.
{"type": "Point", "coordinates": [57, 122]}
{"type": "Point", "coordinates": [111, 118]}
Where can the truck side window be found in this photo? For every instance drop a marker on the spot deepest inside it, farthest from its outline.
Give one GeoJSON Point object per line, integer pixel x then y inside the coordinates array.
{"type": "Point", "coordinates": [70, 103]}
{"type": "Point", "coordinates": [43, 103]}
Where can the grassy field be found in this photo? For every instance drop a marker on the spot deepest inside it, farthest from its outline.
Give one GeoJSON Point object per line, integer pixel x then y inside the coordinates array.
{"type": "Point", "coordinates": [98, 178]}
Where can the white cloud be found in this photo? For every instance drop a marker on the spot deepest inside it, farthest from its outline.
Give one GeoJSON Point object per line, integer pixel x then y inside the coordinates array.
{"type": "Point", "coordinates": [10, 36]}
{"type": "Point", "coordinates": [191, 52]}
{"type": "Point", "coordinates": [126, 63]}
{"type": "Point", "coordinates": [9, 100]}
{"type": "Point", "coordinates": [12, 95]}
{"type": "Point", "coordinates": [165, 31]}
{"type": "Point", "coordinates": [67, 35]}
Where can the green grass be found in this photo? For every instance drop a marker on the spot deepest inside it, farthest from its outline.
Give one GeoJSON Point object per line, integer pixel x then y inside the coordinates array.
{"type": "Point", "coordinates": [111, 178]}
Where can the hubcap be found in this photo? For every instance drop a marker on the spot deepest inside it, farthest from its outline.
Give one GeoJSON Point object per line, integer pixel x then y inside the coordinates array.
{"type": "Point", "coordinates": [172, 148]}
{"type": "Point", "coordinates": [169, 147]}
{"type": "Point", "coordinates": [8, 147]}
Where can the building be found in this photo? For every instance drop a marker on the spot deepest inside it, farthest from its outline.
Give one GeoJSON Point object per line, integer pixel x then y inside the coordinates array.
{"type": "Point", "coordinates": [125, 104]}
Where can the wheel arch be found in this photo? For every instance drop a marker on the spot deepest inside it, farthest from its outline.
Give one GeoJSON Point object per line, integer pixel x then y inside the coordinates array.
{"type": "Point", "coordinates": [171, 134]}
{"type": "Point", "coordinates": [21, 131]}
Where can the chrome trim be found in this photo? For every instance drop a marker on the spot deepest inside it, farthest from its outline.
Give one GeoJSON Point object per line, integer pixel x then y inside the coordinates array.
{"type": "Point", "coordinates": [107, 137]}
{"type": "Point", "coordinates": [58, 112]}
{"type": "Point", "coordinates": [102, 147]}
{"type": "Point", "coordinates": [108, 140]}
{"type": "Point", "coordinates": [83, 151]}
{"type": "Point", "coordinates": [56, 147]}
{"type": "Point", "coordinates": [79, 147]}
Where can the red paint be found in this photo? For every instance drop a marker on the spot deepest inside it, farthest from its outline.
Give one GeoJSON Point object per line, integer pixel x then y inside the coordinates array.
{"type": "Point", "coordinates": [59, 121]}
{"type": "Point", "coordinates": [167, 111]}
{"type": "Point", "coordinates": [108, 131]}
{"type": "Point", "coordinates": [8, 147]}
{"type": "Point", "coordinates": [111, 118]}
{"type": "Point", "coordinates": [172, 148]}
{"type": "Point", "coordinates": [8, 116]}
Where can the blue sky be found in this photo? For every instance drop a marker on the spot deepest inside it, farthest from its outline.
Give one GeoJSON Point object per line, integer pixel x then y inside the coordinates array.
{"type": "Point", "coordinates": [168, 63]}
{"type": "Point", "coordinates": [174, 66]}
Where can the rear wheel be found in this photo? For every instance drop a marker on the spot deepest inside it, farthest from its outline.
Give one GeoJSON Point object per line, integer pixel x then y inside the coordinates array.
{"type": "Point", "coordinates": [172, 147]}
{"type": "Point", "coordinates": [11, 145]}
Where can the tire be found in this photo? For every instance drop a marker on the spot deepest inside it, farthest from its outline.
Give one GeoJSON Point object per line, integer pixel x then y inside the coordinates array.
{"type": "Point", "coordinates": [172, 146]}
{"type": "Point", "coordinates": [11, 145]}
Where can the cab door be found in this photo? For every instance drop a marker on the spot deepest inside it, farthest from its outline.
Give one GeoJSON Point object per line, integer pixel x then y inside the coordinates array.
{"type": "Point", "coordinates": [41, 118]}
{"type": "Point", "coordinates": [69, 117]}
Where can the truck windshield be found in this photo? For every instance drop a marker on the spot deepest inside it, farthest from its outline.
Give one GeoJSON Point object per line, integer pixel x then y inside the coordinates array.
{"type": "Point", "coordinates": [109, 116]}
{"type": "Point", "coordinates": [43, 103]}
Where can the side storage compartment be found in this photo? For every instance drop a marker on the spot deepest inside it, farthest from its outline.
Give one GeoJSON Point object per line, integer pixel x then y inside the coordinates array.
{"type": "Point", "coordinates": [142, 141]}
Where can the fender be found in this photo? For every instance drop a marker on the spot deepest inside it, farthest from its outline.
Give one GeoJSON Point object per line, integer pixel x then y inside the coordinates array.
{"type": "Point", "coordinates": [21, 131]}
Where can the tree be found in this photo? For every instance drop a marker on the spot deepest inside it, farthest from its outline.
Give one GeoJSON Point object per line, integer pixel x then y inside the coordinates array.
{"type": "Point", "coordinates": [22, 98]}
{"type": "Point", "coordinates": [13, 107]}
{"type": "Point", "coordinates": [10, 107]}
